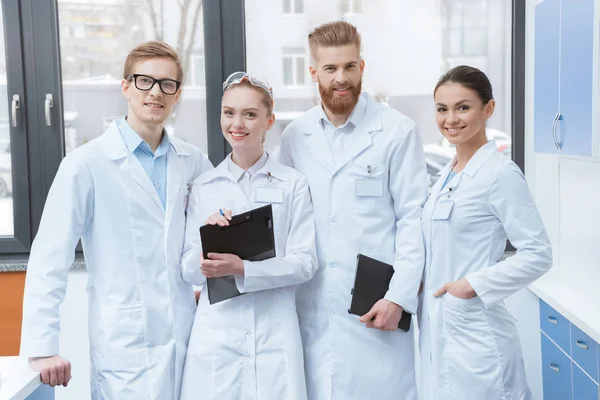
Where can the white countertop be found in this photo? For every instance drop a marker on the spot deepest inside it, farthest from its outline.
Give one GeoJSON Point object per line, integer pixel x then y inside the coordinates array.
{"type": "Point", "coordinates": [17, 380]}
{"type": "Point", "coordinates": [579, 303]}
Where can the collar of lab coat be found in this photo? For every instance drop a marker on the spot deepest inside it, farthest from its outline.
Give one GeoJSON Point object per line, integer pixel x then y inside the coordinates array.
{"type": "Point", "coordinates": [237, 171]}
{"type": "Point", "coordinates": [359, 139]}
{"type": "Point", "coordinates": [470, 169]}
{"type": "Point", "coordinates": [355, 116]}
{"type": "Point", "coordinates": [478, 158]}
{"type": "Point", "coordinates": [115, 147]}
{"type": "Point", "coordinates": [369, 118]}
{"type": "Point", "coordinates": [272, 167]}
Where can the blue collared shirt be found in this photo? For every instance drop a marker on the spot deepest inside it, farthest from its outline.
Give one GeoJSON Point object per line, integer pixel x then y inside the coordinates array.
{"type": "Point", "coordinates": [340, 136]}
{"type": "Point", "coordinates": [155, 164]}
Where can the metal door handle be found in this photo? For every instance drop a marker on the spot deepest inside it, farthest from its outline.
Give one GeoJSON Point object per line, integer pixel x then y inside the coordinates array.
{"type": "Point", "coordinates": [16, 104]}
{"type": "Point", "coordinates": [582, 344]}
{"type": "Point", "coordinates": [554, 367]}
{"type": "Point", "coordinates": [552, 320]}
{"type": "Point", "coordinates": [48, 104]}
{"type": "Point", "coordinates": [554, 123]}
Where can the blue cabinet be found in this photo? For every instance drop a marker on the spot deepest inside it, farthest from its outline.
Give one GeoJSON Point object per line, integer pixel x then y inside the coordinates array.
{"type": "Point", "coordinates": [556, 371]}
{"type": "Point", "coordinates": [563, 81]}
{"type": "Point", "coordinates": [569, 359]}
{"type": "Point", "coordinates": [584, 388]}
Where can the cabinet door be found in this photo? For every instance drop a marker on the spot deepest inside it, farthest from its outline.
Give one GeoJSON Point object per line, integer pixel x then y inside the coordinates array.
{"type": "Point", "coordinates": [576, 77]}
{"type": "Point", "coordinates": [583, 387]}
{"type": "Point", "coordinates": [546, 77]}
{"type": "Point", "coordinates": [556, 372]}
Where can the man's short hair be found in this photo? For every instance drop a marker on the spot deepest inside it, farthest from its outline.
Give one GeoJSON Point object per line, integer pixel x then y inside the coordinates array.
{"type": "Point", "coordinates": [148, 50]}
{"type": "Point", "coordinates": [333, 34]}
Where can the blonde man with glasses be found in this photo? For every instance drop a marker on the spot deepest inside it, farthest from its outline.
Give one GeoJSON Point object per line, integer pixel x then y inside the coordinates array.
{"type": "Point", "coordinates": [124, 194]}
{"type": "Point", "coordinates": [365, 165]}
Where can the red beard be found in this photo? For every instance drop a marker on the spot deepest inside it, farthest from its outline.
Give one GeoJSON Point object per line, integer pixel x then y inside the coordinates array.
{"type": "Point", "coordinates": [340, 105]}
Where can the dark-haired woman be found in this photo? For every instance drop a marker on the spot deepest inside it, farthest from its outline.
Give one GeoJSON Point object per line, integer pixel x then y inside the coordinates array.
{"type": "Point", "coordinates": [470, 347]}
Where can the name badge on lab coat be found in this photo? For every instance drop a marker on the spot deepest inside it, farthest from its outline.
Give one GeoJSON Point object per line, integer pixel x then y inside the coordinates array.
{"type": "Point", "coordinates": [442, 209]}
{"type": "Point", "coordinates": [269, 195]}
{"type": "Point", "coordinates": [369, 188]}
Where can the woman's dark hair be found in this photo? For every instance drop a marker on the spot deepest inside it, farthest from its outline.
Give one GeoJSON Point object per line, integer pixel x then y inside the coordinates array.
{"type": "Point", "coordinates": [471, 78]}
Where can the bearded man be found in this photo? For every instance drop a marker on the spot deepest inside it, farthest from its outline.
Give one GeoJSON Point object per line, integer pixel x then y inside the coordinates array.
{"type": "Point", "coordinates": [366, 169]}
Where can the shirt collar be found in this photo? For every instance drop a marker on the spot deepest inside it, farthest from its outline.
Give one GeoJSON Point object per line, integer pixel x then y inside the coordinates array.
{"type": "Point", "coordinates": [133, 140]}
{"type": "Point", "coordinates": [237, 172]}
{"type": "Point", "coordinates": [354, 118]}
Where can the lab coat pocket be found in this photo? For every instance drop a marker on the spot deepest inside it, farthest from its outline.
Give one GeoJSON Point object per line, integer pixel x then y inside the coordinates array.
{"type": "Point", "coordinates": [470, 351]}
{"type": "Point", "coordinates": [123, 331]}
{"type": "Point", "coordinates": [369, 185]}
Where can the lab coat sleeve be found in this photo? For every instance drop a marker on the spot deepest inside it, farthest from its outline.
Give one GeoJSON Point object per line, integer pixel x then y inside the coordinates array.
{"type": "Point", "coordinates": [67, 212]}
{"type": "Point", "coordinates": [512, 203]}
{"type": "Point", "coordinates": [299, 263]}
{"type": "Point", "coordinates": [192, 246]}
{"type": "Point", "coordinates": [408, 187]}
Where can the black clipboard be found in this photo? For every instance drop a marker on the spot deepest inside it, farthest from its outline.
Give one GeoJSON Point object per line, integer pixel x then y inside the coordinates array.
{"type": "Point", "coordinates": [371, 283]}
{"type": "Point", "coordinates": [249, 236]}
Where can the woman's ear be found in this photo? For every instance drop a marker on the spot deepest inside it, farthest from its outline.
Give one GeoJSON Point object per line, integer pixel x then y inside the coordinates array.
{"type": "Point", "coordinates": [270, 122]}
{"type": "Point", "coordinates": [489, 108]}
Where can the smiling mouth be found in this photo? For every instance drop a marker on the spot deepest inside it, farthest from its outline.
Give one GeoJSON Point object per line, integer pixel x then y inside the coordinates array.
{"type": "Point", "coordinates": [341, 90]}
{"type": "Point", "coordinates": [154, 105]}
{"type": "Point", "coordinates": [454, 131]}
{"type": "Point", "coordinates": [238, 135]}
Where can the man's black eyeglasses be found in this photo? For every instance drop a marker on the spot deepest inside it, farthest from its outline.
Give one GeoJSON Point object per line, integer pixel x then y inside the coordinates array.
{"type": "Point", "coordinates": [145, 83]}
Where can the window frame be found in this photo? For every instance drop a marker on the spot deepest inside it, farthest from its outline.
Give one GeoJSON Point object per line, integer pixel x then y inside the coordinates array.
{"type": "Point", "coordinates": [351, 7]}
{"type": "Point", "coordinates": [294, 56]}
{"type": "Point", "coordinates": [292, 5]}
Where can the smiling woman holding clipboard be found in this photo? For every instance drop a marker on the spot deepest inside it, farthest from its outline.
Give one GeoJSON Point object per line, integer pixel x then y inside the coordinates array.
{"type": "Point", "coordinates": [249, 346]}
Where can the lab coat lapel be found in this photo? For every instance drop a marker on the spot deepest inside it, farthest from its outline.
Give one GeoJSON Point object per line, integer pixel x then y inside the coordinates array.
{"type": "Point", "coordinates": [175, 172]}
{"type": "Point", "coordinates": [316, 142]}
{"type": "Point", "coordinates": [361, 137]}
{"type": "Point", "coordinates": [116, 149]}
{"type": "Point", "coordinates": [132, 167]}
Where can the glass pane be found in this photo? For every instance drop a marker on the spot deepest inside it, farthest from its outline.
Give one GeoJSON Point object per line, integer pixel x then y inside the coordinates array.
{"type": "Point", "coordinates": [299, 6]}
{"type": "Point", "coordinates": [358, 6]}
{"type": "Point", "coordinates": [474, 42]}
{"type": "Point", "coordinates": [300, 71]}
{"type": "Point", "coordinates": [415, 64]}
{"type": "Point", "coordinates": [6, 201]}
{"type": "Point", "coordinates": [95, 40]}
{"type": "Point", "coordinates": [288, 73]}
{"type": "Point", "coordinates": [287, 6]}
{"type": "Point", "coordinates": [346, 6]}
{"type": "Point", "coordinates": [455, 46]}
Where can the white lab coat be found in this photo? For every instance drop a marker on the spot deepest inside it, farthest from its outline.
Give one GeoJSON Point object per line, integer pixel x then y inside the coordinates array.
{"type": "Point", "coordinates": [370, 203]}
{"type": "Point", "coordinates": [249, 347]}
{"type": "Point", "coordinates": [470, 349]}
{"type": "Point", "coordinates": [140, 309]}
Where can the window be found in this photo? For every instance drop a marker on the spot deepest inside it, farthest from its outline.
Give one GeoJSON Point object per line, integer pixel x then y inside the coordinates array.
{"type": "Point", "coordinates": [92, 63]}
{"type": "Point", "coordinates": [78, 92]}
{"type": "Point", "coordinates": [294, 66]}
{"type": "Point", "coordinates": [197, 69]}
{"type": "Point", "coordinates": [467, 27]}
{"type": "Point", "coordinates": [293, 6]}
{"type": "Point", "coordinates": [352, 6]}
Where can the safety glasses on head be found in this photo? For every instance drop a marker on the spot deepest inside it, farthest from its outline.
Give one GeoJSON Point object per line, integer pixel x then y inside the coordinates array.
{"type": "Point", "coordinates": [240, 76]}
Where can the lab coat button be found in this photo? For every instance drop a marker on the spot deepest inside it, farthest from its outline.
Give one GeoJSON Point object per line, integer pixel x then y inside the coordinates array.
{"type": "Point", "coordinates": [332, 219]}
{"type": "Point", "coordinates": [246, 306]}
